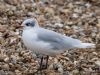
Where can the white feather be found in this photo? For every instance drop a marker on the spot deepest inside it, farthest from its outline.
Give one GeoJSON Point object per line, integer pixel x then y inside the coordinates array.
{"type": "Point", "coordinates": [85, 45]}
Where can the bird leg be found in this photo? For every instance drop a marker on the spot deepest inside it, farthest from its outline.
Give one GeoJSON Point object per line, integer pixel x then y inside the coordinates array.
{"type": "Point", "coordinates": [41, 63]}
{"type": "Point", "coordinates": [46, 62]}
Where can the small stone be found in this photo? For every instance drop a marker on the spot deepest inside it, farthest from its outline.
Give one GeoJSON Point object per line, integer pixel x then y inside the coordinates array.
{"type": "Point", "coordinates": [77, 10]}
{"type": "Point", "coordinates": [65, 11]}
{"type": "Point", "coordinates": [3, 28]}
{"type": "Point", "coordinates": [95, 53]}
{"type": "Point", "coordinates": [50, 11]}
{"type": "Point", "coordinates": [18, 72]}
{"type": "Point", "coordinates": [2, 72]}
{"type": "Point", "coordinates": [75, 72]}
{"type": "Point", "coordinates": [59, 25]}
{"type": "Point", "coordinates": [60, 70]}
{"type": "Point", "coordinates": [75, 15]}
{"type": "Point", "coordinates": [10, 73]}
{"type": "Point", "coordinates": [93, 34]}
{"type": "Point", "coordinates": [60, 2]}
{"type": "Point", "coordinates": [98, 25]}
{"type": "Point", "coordinates": [6, 59]}
{"type": "Point", "coordinates": [88, 5]}
{"type": "Point", "coordinates": [94, 59]}
{"type": "Point", "coordinates": [5, 66]}
{"type": "Point", "coordinates": [67, 27]}
{"type": "Point", "coordinates": [97, 62]}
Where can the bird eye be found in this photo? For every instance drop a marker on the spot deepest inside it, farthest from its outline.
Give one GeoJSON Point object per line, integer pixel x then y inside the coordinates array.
{"type": "Point", "coordinates": [28, 24]}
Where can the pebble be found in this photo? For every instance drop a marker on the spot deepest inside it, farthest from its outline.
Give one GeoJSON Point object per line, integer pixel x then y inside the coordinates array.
{"type": "Point", "coordinates": [75, 15]}
{"type": "Point", "coordinates": [97, 62]}
{"type": "Point", "coordinates": [59, 25]}
{"type": "Point", "coordinates": [6, 59]}
{"type": "Point", "coordinates": [78, 19]}
{"type": "Point", "coordinates": [5, 67]}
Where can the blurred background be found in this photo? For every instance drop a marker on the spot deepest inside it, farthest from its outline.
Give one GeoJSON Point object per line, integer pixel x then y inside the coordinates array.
{"type": "Point", "coordinates": [75, 18]}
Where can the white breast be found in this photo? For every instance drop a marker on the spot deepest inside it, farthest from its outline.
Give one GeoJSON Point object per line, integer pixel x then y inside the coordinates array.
{"type": "Point", "coordinates": [29, 38]}
{"type": "Point", "coordinates": [32, 42]}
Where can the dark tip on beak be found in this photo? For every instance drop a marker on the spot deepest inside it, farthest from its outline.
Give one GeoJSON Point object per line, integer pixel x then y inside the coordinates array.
{"type": "Point", "coordinates": [19, 26]}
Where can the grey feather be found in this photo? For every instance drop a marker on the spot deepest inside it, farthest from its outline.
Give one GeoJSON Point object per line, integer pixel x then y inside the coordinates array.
{"type": "Point", "coordinates": [56, 40]}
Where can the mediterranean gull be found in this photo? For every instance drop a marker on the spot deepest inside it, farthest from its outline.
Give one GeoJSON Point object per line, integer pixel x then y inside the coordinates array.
{"type": "Point", "coordinates": [47, 42]}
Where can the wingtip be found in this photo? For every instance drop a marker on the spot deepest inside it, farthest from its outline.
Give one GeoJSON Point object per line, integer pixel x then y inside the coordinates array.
{"type": "Point", "coordinates": [88, 45]}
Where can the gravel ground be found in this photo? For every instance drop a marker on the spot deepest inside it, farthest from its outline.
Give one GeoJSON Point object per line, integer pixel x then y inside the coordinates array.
{"type": "Point", "coordinates": [76, 18]}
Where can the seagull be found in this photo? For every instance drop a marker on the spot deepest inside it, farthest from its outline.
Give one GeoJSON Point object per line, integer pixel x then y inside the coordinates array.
{"type": "Point", "coordinates": [46, 42]}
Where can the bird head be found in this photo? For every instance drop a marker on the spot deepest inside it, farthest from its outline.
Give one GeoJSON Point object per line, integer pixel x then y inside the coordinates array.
{"type": "Point", "coordinates": [30, 23]}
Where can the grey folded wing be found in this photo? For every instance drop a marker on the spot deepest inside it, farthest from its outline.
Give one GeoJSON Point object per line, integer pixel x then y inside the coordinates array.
{"type": "Point", "coordinates": [56, 40]}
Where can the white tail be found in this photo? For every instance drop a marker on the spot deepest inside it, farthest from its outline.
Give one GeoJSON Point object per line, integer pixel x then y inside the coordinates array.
{"type": "Point", "coordinates": [85, 45]}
